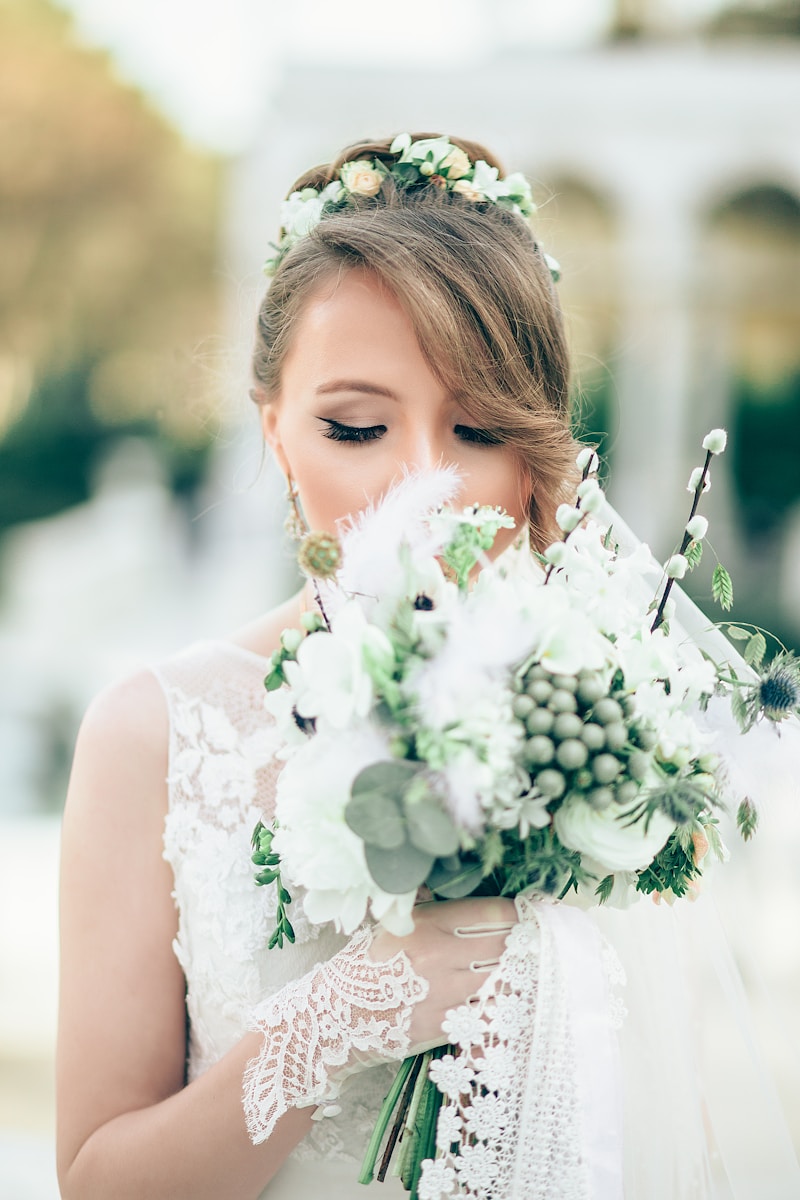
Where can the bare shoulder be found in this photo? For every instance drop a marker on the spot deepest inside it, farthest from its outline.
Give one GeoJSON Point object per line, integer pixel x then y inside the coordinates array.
{"type": "Point", "coordinates": [121, 751]}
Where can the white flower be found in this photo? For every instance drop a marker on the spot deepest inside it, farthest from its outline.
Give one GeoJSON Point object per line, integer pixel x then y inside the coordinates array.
{"type": "Point", "coordinates": [697, 528]}
{"type": "Point", "coordinates": [568, 517]}
{"type": "Point", "coordinates": [448, 1127]}
{"type": "Point", "coordinates": [400, 144]}
{"type": "Point", "coordinates": [452, 1076]}
{"type": "Point", "coordinates": [677, 566]}
{"type": "Point", "coordinates": [361, 177]}
{"type": "Point", "coordinates": [606, 837]}
{"type": "Point", "coordinates": [587, 460]}
{"type": "Point", "coordinates": [464, 1026]}
{"type": "Point", "coordinates": [694, 480]}
{"type": "Point", "coordinates": [330, 678]}
{"type": "Point", "coordinates": [477, 1168]}
{"type": "Point", "coordinates": [715, 441]}
{"type": "Point", "coordinates": [437, 1180]}
{"type": "Point", "coordinates": [486, 1116]}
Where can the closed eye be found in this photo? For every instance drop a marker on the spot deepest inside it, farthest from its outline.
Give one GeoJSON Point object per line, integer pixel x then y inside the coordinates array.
{"type": "Point", "coordinates": [481, 437]}
{"type": "Point", "coordinates": [338, 432]}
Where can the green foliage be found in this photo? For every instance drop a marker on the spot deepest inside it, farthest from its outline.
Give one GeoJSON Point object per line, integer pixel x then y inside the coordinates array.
{"type": "Point", "coordinates": [269, 862]}
{"type": "Point", "coordinates": [747, 818]}
{"type": "Point", "coordinates": [755, 650]}
{"type": "Point", "coordinates": [672, 869]}
{"type": "Point", "coordinates": [722, 587]}
{"type": "Point", "coordinates": [604, 888]}
{"type": "Point", "coordinates": [693, 554]}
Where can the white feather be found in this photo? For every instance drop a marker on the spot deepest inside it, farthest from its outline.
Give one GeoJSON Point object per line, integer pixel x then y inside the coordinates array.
{"type": "Point", "coordinates": [371, 540]}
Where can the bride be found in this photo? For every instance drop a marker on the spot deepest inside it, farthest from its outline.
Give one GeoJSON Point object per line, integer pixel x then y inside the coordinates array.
{"type": "Point", "coordinates": [412, 322]}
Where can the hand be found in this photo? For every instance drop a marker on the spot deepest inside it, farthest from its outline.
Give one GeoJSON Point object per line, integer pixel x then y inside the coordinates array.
{"type": "Point", "coordinates": [452, 940]}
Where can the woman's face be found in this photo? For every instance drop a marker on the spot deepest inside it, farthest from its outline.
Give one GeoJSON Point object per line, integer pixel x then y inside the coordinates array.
{"type": "Point", "coordinates": [358, 403]}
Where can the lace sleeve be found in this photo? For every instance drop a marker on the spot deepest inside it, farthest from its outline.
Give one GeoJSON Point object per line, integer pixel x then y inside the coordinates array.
{"type": "Point", "coordinates": [346, 1014]}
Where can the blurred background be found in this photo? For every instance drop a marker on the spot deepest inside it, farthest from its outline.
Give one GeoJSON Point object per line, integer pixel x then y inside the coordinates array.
{"type": "Point", "coordinates": [144, 149]}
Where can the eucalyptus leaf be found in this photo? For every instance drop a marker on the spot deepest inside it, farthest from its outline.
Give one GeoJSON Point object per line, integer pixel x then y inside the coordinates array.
{"type": "Point", "coordinates": [454, 880]}
{"type": "Point", "coordinates": [388, 778]}
{"type": "Point", "coordinates": [400, 870]}
{"type": "Point", "coordinates": [376, 817]}
{"type": "Point", "coordinates": [431, 828]}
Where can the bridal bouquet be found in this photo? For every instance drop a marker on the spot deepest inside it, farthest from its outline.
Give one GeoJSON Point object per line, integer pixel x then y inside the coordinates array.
{"type": "Point", "coordinates": [533, 727]}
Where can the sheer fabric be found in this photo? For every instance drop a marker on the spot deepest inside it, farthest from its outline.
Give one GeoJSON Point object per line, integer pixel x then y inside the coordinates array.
{"type": "Point", "coordinates": [220, 783]}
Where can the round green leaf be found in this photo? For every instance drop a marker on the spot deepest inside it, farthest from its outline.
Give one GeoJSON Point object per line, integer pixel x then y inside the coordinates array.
{"type": "Point", "coordinates": [454, 880]}
{"type": "Point", "coordinates": [377, 819]}
{"type": "Point", "coordinates": [399, 870]}
{"type": "Point", "coordinates": [430, 828]}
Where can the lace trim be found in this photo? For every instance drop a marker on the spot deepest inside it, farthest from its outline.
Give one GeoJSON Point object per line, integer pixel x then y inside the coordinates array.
{"type": "Point", "coordinates": [347, 1014]}
{"type": "Point", "coordinates": [515, 1071]}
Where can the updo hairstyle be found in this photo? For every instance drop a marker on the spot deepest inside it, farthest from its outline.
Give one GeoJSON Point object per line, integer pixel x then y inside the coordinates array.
{"type": "Point", "coordinates": [479, 295]}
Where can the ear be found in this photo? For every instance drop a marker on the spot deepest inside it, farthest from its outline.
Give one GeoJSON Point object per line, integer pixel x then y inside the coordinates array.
{"type": "Point", "coordinates": [271, 429]}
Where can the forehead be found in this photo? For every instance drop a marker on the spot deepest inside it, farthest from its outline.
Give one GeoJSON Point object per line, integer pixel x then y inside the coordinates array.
{"type": "Point", "coordinates": [352, 318]}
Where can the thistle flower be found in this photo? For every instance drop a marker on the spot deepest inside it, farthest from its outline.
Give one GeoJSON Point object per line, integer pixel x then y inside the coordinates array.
{"type": "Point", "coordinates": [778, 692]}
{"type": "Point", "coordinates": [320, 555]}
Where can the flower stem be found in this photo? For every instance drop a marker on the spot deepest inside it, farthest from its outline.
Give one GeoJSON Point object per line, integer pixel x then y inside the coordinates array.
{"type": "Point", "coordinates": [384, 1116]}
{"type": "Point", "coordinates": [406, 1103]}
{"type": "Point", "coordinates": [687, 537]}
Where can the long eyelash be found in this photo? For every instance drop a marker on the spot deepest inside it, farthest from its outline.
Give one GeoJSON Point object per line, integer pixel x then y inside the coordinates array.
{"type": "Point", "coordinates": [481, 436]}
{"type": "Point", "coordinates": [351, 433]}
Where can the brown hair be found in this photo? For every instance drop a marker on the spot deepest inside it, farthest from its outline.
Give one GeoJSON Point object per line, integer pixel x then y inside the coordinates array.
{"type": "Point", "coordinates": [479, 295]}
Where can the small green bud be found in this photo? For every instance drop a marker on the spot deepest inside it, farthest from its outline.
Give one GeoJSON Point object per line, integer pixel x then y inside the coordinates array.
{"type": "Point", "coordinates": [551, 783]}
{"type": "Point", "coordinates": [539, 750]}
{"type": "Point", "coordinates": [572, 755]}
{"type": "Point", "coordinates": [605, 768]}
{"type": "Point", "coordinates": [590, 690]}
{"type": "Point", "coordinates": [540, 691]}
{"type": "Point", "coordinates": [607, 711]}
{"type": "Point", "coordinates": [562, 701]}
{"type": "Point", "coordinates": [522, 706]}
{"type": "Point", "coordinates": [541, 720]}
{"type": "Point", "coordinates": [567, 725]}
{"type": "Point", "coordinates": [593, 737]}
{"type": "Point", "coordinates": [616, 735]}
{"type": "Point", "coordinates": [600, 798]}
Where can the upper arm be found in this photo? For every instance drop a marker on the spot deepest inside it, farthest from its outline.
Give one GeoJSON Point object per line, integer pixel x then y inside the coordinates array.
{"type": "Point", "coordinates": [121, 1043]}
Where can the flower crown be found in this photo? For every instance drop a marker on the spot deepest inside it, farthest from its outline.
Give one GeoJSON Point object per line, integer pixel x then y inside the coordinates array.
{"type": "Point", "coordinates": [433, 160]}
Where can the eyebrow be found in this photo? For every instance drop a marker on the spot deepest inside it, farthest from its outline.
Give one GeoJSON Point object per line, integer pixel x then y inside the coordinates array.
{"type": "Point", "coordinates": [355, 385]}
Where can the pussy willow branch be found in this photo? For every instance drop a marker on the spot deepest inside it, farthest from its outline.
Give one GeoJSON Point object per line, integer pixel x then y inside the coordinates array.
{"type": "Point", "coordinates": [584, 477]}
{"type": "Point", "coordinates": [687, 537]}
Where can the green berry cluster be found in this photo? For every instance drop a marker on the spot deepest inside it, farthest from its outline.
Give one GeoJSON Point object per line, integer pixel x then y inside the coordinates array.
{"type": "Point", "coordinates": [581, 737]}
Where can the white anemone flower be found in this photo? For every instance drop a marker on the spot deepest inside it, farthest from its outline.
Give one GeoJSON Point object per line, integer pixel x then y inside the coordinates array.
{"type": "Point", "coordinates": [330, 678]}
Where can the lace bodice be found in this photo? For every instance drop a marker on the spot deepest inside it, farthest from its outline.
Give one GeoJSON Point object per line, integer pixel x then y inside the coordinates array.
{"type": "Point", "coordinates": [221, 780]}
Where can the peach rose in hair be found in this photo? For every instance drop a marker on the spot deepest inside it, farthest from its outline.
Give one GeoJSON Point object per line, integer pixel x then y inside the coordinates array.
{"type": "Point", "coordinates": [456, 163]}
{"type": "Point", "coordinates": [361, 178]}
{"type": "Point", "coordinates": [465, 189]}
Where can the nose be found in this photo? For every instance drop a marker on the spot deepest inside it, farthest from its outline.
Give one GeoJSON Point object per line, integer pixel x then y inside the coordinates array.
{"type": "Point", "coordinates": [424, 449]}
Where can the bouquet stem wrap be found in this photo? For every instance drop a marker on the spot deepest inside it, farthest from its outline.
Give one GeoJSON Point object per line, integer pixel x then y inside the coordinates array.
{"type": "Point", "coordinates": [533, 1107]}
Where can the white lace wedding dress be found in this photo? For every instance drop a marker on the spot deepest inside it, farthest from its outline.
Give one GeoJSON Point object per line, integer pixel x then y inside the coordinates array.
{"type": "Point", "coordinates": [221, 782]}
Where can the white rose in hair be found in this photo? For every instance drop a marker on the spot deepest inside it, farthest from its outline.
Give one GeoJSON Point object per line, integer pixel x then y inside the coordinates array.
{"type": "Point", "coordinates": [361, 178]}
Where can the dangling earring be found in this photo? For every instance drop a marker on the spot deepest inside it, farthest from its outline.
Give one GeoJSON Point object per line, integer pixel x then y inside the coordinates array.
{"type": "Point", "coordinates": [295, 523]}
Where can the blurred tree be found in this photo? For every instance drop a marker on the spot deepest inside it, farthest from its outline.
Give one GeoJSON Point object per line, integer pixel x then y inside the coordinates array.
{"type": "Point", "coordinates": [108, 240]}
